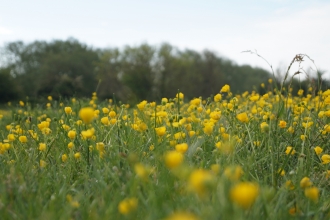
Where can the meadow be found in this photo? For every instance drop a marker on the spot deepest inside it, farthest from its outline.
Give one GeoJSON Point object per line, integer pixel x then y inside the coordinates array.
{"type": "Point", "coordinates": [229, 156]}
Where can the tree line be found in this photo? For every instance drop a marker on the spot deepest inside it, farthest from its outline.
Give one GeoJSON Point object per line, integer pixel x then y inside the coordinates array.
{"type": "Point", "coordinates": [65, 69]}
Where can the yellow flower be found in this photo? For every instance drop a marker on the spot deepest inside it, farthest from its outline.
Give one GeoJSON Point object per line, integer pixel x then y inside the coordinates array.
{"type": "Point", "coordinates": [72, 134]}
{"type": "Point", "coordinates": [264, 127]}
{"type": "Point", "coordinates": [217, 97]}
{"type": "Point", "coordinates": [182, 148]}
{"type": "Point", "coordinates": [290, 150]}
{"type": "Point", "coordinates": [64, 157]}
{"type": "Point", "coordinates": [305, 182]}
{"type": "Point", "coordinates": [233, 173]}
{"type": "Point", "coordinates": [88, 134]}
{"type": "Point", "coordinates": [181, 216]}
{"type": "Point", "coordinates": [289, 185]}
{"type": "Point", "coordinates": [208, 128]}
{"type": "Point", "coordinates": [225, 88]}
{"type": "Point", "coordinates": [22, 139]}
{"type": "Point", "coordinates": [112, 114]}
{"type": "Point", "coordinates": [77, 155]}
{"type": "Point", "coordinates": [42, 146]}
{"type": "Point", "coordinates": [105, 121]}
{"type": "Point", "coordinates": [70, 145]}
{"type": "Point", "coordinates": [244, 194]}
{"type": "Point", "coordinates": [325, 158]}
{"type": "Point", "coordinates": [173, 159]}
{"type": "Point", "coordinates": [303, 137]}
{"type": "Point", "coordinates": [11, 137]}
{"type": "Point", "coordinates": [282, 124]}
{"type": "Point", "coordinates": [105, 110]}
{"type": "Point", "coordinates": [67, 110]}
{"type": "Point", "coordinates": [87, 115]}
{"type": "Point", "coordinates": [141, 105]}
{"type": "Point", "coordinates": [160, 131]}
{"type": "Point", "coordinates": [242, 117]}
{"type": "Point", "coordinates": [312, 193]}
{"type": "Point", "coordinates": [180, 96]}
{"type": "Point", "coordinates": [42, 163]}
{"type": "Point", "coordinates": [127, 206]}
{"type": "Point", "coordinates": [281, 172]}
{"type": "Point", "coordinates": [141, 171]}
{"type": "Point", "coordinates": [254, 98]}
{"type": "Point", "coordinates": [200, 181]}
{"type": "Point", "coordinates": [215, 168]}
{"type": "Point", "coordinates": [318, 150]}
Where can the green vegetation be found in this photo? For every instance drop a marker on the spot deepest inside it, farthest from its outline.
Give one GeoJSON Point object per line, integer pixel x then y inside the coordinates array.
{"type": "Point", "coordinates": [69, 68]}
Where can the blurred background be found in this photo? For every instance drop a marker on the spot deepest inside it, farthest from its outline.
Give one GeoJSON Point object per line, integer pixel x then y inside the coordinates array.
{"type": "Point", "coordinates": [137, 50]}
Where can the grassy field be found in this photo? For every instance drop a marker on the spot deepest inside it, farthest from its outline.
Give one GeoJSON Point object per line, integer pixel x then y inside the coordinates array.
{"type": "Point", "coordinates": [244, 156]}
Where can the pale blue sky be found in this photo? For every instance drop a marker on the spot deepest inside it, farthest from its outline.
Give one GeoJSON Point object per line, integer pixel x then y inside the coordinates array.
{"type": "Point", "coordinates": [277, 29]}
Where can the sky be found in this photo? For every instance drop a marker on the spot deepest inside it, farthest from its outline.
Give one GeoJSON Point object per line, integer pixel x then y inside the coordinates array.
{"type": "Point", "coordinates": [275, 29]}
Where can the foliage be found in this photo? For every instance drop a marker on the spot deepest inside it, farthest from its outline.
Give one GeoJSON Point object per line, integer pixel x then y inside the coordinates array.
{"type": "Point", "coordinates": [244, 156]}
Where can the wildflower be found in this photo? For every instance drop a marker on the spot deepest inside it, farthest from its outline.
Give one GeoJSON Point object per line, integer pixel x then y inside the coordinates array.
{"type": "Point", "coordinates": [233, 173]}
{"type": "Point", "coordinates": [318, 150]}
{"type": "Point", "coordinates": [141, 105]}
{"type": "Point", "coordinates": [72, 134]}
{"type": "Point", "coordinates": [290, 150]}
{"type": "Point", "coordinates": [141, 171]}
{"type": "Point", "coordinates": [264, 127]}
{"type": "Point", "coordinates": [22, 139]}
{"type": "Point", "coordinates": [180, 95]}
{"type": "Point", "coordinates": [42, 146]}
{"type": "Point", "coordinates": [105, 121]}
{"type": "Point", "coordinates": [179, 135]}
{"type": "Point", "coordinates": [293, 211]}
{"type": "Point", "coordinates": [173, 159]}
{"type": "Point", "coordinates": [77, 155]}
{"type": "Point", "coordinates": [181, 216]}
{"type": "Point", "coordinates": [281, 172]}
{"type": "Point", "coordinates": [42, 163]}
{"type": "Point", "coordinates": [215, 168]}
{"type": "Point", "coordinates": [88, 133]}
{"type": "Point", "coordinates": [291, 130]}
{"type": "Point", "coordinates": [282, 124]}
{"type": "Point", "coordinates": [64, 158]}
{"type": "Point", "coordinates": [160, 131]}
{"type": "Point", "coordinates": [11, 137]}
{"type": "Point", "coordinates": [327, 174]}
{"type": "Point", "coordinates": [225, 88]}
{"type": "Point", "coordinates": [182, 148]}
{"type": "Point", "coordinates": [21, 103]}
{"type": "Point", "coordinates": [105, 110]}
{"type": "Point", "coordinates": [200, 181]}
{"type": "Point", "coordinates": [217, 97]}
{"type": "Point", "coordinates": [87, 115]}
{"type": "Point", "coordinates": [305, 182]}
{"type": "Point", "coordinates": [303, 137]}
{"type": "Point", "coordinates": [254, 98]}
{"type": "Point", "coordinates": [127, 206]}
{"type": "Point", "coordinates": [300, 92]}
{"type": "Point", "coordinates": [208, 128]}
{"type": "Point", "coordinates": [242, 117]}
{"type": "Point", "coordinates": [68, 110]}
{"type": "Point", "coordinates": [244, 194]}
{"type": "Point", "coordinates": [112, 114]}
{"type": "Point", "coordinates": [312, 193]}
{"type": "Point", "coordinates": [70, 145]}
{"type": "Point", "coordinates": [289, 185]}
{"type": "Point", "coordinates": [325, 158]}
{"type": "Point", "coordinates": [164, 101]}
